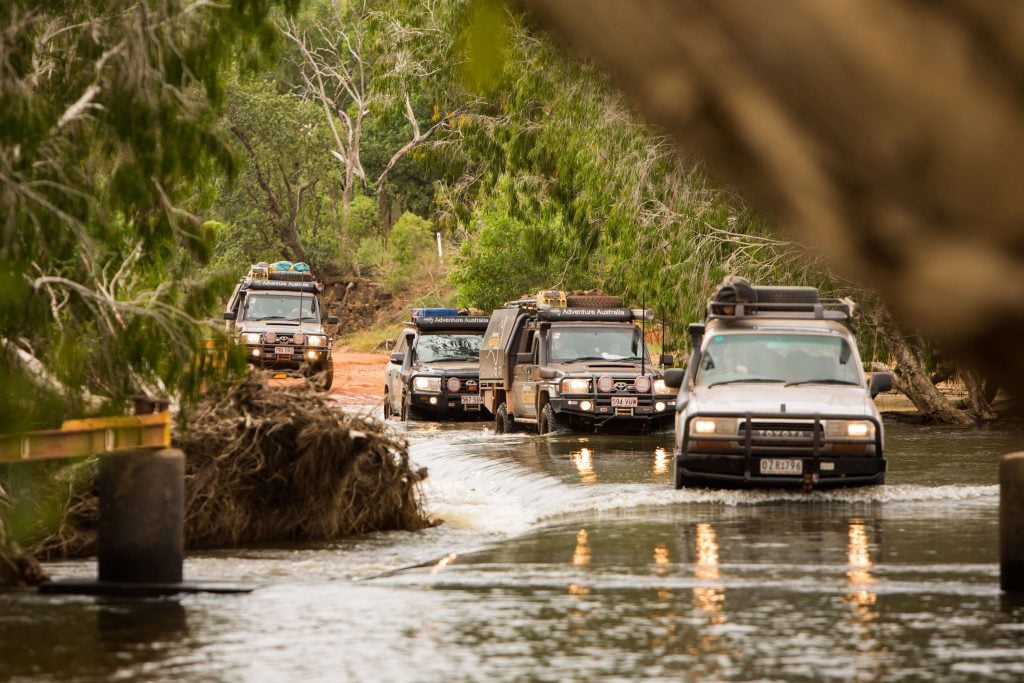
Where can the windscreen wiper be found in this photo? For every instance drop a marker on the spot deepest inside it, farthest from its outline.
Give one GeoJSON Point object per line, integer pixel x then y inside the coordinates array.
{"type": "Point", "coordinates": [744, 379]}
{"type": "Point", "coordinates": [823, 381]}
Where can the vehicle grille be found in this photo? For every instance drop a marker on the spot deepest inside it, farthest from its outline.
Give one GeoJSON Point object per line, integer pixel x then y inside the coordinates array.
{"type": "Point", "coordinates": [799, 434]}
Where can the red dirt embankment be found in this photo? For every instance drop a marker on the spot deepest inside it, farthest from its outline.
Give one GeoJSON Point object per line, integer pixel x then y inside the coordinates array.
{"type": "Point", "coordinates": [358, 377]}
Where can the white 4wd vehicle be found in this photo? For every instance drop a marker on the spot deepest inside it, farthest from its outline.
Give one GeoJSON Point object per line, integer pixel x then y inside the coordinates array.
{"type": "Point", "coordinates": [775, 394]}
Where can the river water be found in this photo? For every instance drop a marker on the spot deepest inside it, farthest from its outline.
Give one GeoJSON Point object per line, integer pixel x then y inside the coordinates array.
{"type": "Point", "coordinates": [573, 558]}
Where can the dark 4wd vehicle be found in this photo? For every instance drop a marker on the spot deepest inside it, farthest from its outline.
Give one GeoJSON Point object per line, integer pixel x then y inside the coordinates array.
{"type": "Point", "coordinates": [775, 395]}
{"type": "Point", "coordinates": [556, 362]}
{"type": "Point", "coordinates": [433, 372]}
{"type": "Point", "coordinates": [278, 318]}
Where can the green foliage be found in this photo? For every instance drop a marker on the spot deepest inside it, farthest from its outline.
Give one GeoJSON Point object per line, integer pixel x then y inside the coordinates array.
{"type": "Point", "coordinates": [108, 146]}
{"type": "Point", "coordinates": [362, 219]}
{"type": "Point", "coordinates": [410, 237]}
{"type": "Point", "coordinates": [411, 254]}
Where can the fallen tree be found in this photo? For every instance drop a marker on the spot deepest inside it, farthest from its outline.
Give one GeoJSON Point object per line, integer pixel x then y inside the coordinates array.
{"type": "Point", "coordinates": [268, 464]}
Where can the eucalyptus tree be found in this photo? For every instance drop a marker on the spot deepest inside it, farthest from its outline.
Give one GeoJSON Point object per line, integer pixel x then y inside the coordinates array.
{"type": "Point", "coordinates": [364, 60]}
{"type": "Point", "coordinates": [108, 146]}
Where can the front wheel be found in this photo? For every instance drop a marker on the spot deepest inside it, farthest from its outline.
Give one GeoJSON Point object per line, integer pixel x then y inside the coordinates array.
{"type": "Point", "coordinates": [548, 422]}
{"type": "Point", "coordinates": [503, 422]}
{"type": "Point", "coordinates": [677, 473]}
{"type": "Point", "coordinates": [388, 410]}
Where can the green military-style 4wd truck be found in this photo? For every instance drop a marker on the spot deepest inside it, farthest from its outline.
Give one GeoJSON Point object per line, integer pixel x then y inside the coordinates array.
{"type": "Point", "coordinates": [565, 362]}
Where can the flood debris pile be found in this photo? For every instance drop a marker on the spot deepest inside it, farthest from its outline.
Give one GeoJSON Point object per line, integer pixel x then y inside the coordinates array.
{"type": "Point", "coordinates": [262, 464]}
{"type": "Point", "coordinates": [18, 569]}
{"type": "Point", "coordinates": [284, 463]}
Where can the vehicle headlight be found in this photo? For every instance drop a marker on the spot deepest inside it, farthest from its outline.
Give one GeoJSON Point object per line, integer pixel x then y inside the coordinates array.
{"type": "Point", "coordinates": [714, 425]}
{"type": "Point", "coordinates": [852, 429]}
{"type": "Point", "coordinates": [249, 338]}
{"type": "Point", "coordinates": [316, 340]}
{"type": "Point", "coordinates": [427, 384]}
{"type": "Point", "coordinates": [661, 388]}
{"type": "Point", "coordinates": [576, 385]}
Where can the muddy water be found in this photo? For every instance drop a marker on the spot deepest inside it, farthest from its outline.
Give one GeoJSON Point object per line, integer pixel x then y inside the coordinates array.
{"type": "Point", "coordinates": [570, 558]}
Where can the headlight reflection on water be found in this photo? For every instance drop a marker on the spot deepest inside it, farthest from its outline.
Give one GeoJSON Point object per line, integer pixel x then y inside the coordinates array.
{"type": "Point", "coordinates": [584, 461]}
{"type": "Point", "coordinates": [709, 599]}
{"type": "Point", "coordinates": [660, 460]}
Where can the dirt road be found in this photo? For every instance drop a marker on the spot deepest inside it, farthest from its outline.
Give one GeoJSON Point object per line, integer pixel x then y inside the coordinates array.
{"type": "Point", "coordinates": [358, 377]}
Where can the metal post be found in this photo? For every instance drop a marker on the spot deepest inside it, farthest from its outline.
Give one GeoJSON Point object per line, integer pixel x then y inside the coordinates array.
{"type": "Point", "coordinates": [1011, 522]}
{"type": "Point", "coordinates": [141, 537]}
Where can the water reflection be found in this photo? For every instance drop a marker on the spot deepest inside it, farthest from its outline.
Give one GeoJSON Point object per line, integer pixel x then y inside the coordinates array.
{"type": "Point", "coordinates": [139, 626]}
{"type": "Point", "coordinates": [710, 599]}
{"type": "Point", "coordinates": [584, 461]}
{"type": "Point", "coordinates": [581, 555]}
{"type": "Point", "coordinates": [861, 599]}
{"type": "Point", "coordinates": [443, 562]}
{"type": "Point", "coordinates": [661, 566]}
{"type": "Point", "coordinates": [580, 558]}
{"type": "Point", "coordinates": [660, 461]}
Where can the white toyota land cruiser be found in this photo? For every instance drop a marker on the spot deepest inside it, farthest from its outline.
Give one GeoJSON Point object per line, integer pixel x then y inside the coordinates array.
{"type": "Point", "coordinates": [775, 395]}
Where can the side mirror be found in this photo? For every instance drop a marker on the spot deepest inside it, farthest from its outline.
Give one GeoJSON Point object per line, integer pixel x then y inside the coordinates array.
{"type": "Point", "coordinates": [524, 358]}
{"type": "Point", "coordinates": [229, 315]}
{"type": "Point", "coordinates": [880, 381]}
{"type": "Point", "coordinates": [548, 373]}
{"type": "Point", "coordinates": [666, 359]}
{"type": "Point", "coordinates": [398, 358]}
{"type": "Point", "coordinates": [674, 377]}
{"type": "Point", "coordinates": [332, 320]}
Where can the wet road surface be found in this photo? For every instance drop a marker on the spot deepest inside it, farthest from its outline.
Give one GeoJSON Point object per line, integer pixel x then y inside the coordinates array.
{"type": "Point", "coordinates": [572, 558]}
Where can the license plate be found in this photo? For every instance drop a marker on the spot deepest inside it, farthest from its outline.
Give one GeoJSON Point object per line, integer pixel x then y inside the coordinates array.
{"type": "Point", "coordinates": [624, 401]}
{"type": "Point", "coordinates": [470, 399]}
{"type": "Point", "coordinates": [782, 466]}
{"type": "Point", "coordinates": [284, 350]}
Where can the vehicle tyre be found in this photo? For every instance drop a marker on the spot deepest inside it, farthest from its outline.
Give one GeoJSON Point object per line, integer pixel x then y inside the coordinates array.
{"type": "Point", "coordinates": [549, 422]}
{"type": "Point", "coordinates": [677, 474]}
{"type": "Point", "coordinates": [327, 374]}
{"type": "Point", "coordinates": [406, 413]}
{"type": "Point", "coordinates": [503, 423]}
{"type": "Point", "coordinates": [388, 411]}
{"type": "Point", "coordinates": [593, 300]}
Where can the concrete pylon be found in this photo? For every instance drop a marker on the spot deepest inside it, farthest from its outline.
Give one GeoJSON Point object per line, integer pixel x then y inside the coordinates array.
{"type": "Point", "coordinates": [141, 526]}
{"type": "Point", "coordinates": [1011, 522]}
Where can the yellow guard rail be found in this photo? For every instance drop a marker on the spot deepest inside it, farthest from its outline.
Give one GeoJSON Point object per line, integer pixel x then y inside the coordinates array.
{"type": "Point", "coordinates": [88, 437]}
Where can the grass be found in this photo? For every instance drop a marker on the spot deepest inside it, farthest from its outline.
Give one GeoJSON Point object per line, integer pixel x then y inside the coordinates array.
{"type": "Point", "coordinates": [369, 340]}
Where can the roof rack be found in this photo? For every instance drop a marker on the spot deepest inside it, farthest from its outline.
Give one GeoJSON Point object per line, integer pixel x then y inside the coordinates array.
{"type": "Point", "coordinates": [737, 298]}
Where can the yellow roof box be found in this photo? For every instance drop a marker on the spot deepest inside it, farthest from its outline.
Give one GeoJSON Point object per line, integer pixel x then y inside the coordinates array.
{"type": "Point", "coordinates": [551, 298]}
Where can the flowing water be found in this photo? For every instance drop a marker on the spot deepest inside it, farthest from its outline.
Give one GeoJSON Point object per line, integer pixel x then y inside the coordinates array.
{"type": "Point", "coordinates": [572, 558]}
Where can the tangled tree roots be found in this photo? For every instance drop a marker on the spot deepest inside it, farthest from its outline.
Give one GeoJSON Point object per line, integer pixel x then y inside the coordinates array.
{"type": "Point", "coordinates": [269, 464]}
{"type": "Point", "coordinates": [18, 569]}
{"type": "Point", "coordinates": [285, 463]}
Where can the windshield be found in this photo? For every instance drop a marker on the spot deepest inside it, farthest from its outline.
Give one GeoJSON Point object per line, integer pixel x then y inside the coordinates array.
{"type": "Point", "coordinates": [280, 307]}
{"type": "Point", "coordinates": [786, 358]}
{"type": "Point", "coordinates": [431, 348]}
{"type": "Point", "coordinates": [569, 344]}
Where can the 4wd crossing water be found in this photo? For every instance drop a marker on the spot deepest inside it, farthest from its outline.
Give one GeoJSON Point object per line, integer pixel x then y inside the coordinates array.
{"type": "Point", "coordinates": [570, 557]}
